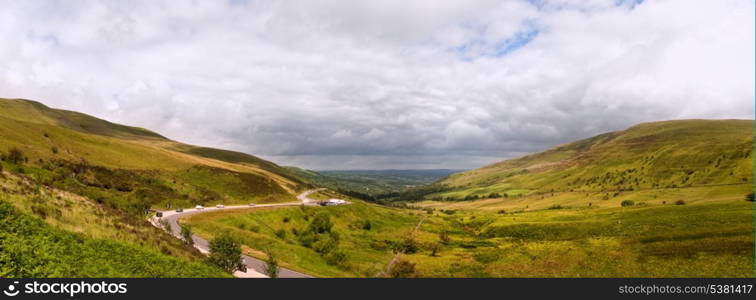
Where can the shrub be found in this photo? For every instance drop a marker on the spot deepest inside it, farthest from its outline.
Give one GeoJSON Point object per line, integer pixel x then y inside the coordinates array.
{"type": "Point", "coordinates": [307, 238]}
{"type": "Point", "coordinates": [443, 236]}
{"type": "Point", "coordinates": [325, 245]}
{"type": "Point", "coordinates": [225, 251]}
{"type": "Point", "coordinates": [281, 233]}
{"type": "Point", "coordinates": [680, 202]}
{"type": "Point", "coordinates": [337, 258]}
{"type": "Point", "coordinates": [254, 228]}
{"type": "Point", "coordinates": [748, 197]}
{"type": "Point", "coordinates": [186, 233]}
{"type": "Point", "coordinates": [366, 225]}
{"type": "Point", "coordinates": [271, 265]}
{"type": "Point", "coordinates": [286, 219]}
{"type": "Point", "coordinates": [403, 269]}
{"type": "Point", "coordinates": [15, 156]}
{"type": "Point", "coordinates": [166, 225]}
{"type": "Point", "coordinates": [321, 223]}
{"type": "Point", "coordinates": [556, 206]}
{"type": "Point", "coordinates": [409, 245]}
{"type": "Point", "coordinates": [501, 212]}
{"type": "Point", "coordinates": [434, 248]}
{"type": "Point", "coordinates": [54, 150]}
{"type": "Point", "coordinates": [627, 203]}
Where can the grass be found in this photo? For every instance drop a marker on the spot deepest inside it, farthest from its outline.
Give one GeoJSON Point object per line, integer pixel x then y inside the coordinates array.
{"type": "Point", "coordinates": [670, 154]}
{"type": "Point", "coordinates": [32, 248]}
{"type": "Point", "coordinates": [368, 251]}
{"type": "Point", "coordinates": [711, 236]}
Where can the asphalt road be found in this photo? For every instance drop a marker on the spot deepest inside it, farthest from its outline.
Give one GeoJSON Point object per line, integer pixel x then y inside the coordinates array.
{"type": "Point", "coordinates": [255, 267]}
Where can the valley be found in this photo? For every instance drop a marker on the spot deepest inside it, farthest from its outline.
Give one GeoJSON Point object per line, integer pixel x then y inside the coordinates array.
{"type": "Point", "coordinates": [660, 199]}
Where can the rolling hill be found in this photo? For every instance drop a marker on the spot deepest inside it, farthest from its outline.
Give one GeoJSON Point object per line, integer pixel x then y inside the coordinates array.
{"type": "Point", "coordinates": [74, 188]}
{"type": "Point", "coordinates": [648, 156]}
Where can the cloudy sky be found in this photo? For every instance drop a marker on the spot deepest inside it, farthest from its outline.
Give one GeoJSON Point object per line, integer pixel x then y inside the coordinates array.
{"type": "Point", "coordinates": [382, 84]}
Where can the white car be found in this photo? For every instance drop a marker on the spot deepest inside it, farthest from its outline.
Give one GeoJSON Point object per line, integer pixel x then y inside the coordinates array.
{"type": "Point", "coordinates": [219, 206]}
{"type": "Point", "coordinates": [199, 207]}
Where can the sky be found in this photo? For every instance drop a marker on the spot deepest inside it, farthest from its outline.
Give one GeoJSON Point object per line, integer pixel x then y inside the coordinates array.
{"type": "Point", "coordinates": [386, 84]}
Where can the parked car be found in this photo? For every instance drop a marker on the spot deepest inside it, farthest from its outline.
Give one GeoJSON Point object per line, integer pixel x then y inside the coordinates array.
{"type": "Point", "coordinates": [219, 206]}
{"type": "Point", "coordinates": [179, 210]}
{"type": "Point", "coordinates": [199, 207]}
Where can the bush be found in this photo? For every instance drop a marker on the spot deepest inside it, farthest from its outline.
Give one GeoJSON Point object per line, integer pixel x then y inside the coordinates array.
{"type": "Point", "coordinates": [325, 245]}
{"type": "Point", "coordinates": [271, 265]}
{"type": "Point", "coordinates": [225, 251]}
{"type": "Point", "coordinates": [321, 223]}
{"type": "Point", "coordinates": [15, 156]}
{"type": "Point", "coordinates": [337, 258]}
{"type": "Point", "coordinates": [748, 197]}
{"type": "Point", "coordinates": [434, 248]}
{"type": "Point", "coordinates": [627, 203]}
{"type": "Point", "coordinates": [679, 202]}
{"type": "Point", "coordinates": [286, 219]}
{"type": "Point", "coordinates": [366, 225]}
{"type": "Point", "coordinates": [186, 233]}
{"type": "Point", "coordinates": [281, 233]}
{"type": "Point", "coordinates": [403, 269]}
{"type": "Point", "coordinates": [409, 245]}
{"type": "Point", "coordinates": [443, 236]}
{"type": "Point", "coordinates": [501, 212]}
{"type": "Point", "coordinates": [166, 225]}
{"type": "Point", "coordinates": [557, 206]}
{"type": "Point", "coordinates": [54, 150]}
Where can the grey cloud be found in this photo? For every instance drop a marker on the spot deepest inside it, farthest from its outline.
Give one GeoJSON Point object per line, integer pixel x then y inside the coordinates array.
{"type": "Point", "coordinates": [381, 84]}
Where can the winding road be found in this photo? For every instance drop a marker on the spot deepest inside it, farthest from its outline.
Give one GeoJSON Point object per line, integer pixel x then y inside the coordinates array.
{"type": "Point", "coordinates": [255, 267]}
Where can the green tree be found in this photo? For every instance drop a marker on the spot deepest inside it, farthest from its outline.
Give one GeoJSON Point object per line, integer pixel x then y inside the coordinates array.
{"type": "Point", "coordinates": [225, 251]}
{"type": "Point", "coordinates": [271, 264]}
{"type": "Point", "coordinates": [186, 233]}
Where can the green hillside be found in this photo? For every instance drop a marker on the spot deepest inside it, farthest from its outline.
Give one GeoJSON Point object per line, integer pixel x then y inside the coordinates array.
{"type": "Point", "coordinates": [132, 168]}
{"type": "Point", "coordinates": [74, 190]}
{"type": "Point", "coordinates": [659, 155]}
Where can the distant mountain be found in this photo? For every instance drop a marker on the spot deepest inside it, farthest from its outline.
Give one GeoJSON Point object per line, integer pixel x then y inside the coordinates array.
{"type": "Point", "coordinates": [372, 182]}
{"type": "Point", "coordinates": [668, 154]}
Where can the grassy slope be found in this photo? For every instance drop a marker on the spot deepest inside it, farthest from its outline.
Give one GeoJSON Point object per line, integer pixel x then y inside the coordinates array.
{"type": "Point", "coordinates": [656, 155]}
{"type": "Point", "coordinates": [33, 248]}
{"type": "Point", "coordinates": [86, 181]}
{"type": "Point", "coordinates": [368, 251]}
{"type": "Point", "coordinates": [49, 232]}
{"type": "Point", "coordinates": [40, 132]}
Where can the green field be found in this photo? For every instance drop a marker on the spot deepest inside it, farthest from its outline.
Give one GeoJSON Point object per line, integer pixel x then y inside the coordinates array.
{"type": "Point", "coordinates": [711, 235]}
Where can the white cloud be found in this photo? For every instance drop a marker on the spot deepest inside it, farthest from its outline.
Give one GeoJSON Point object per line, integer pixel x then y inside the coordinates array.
{"type": "Point", "coordinates": [382, 84]}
